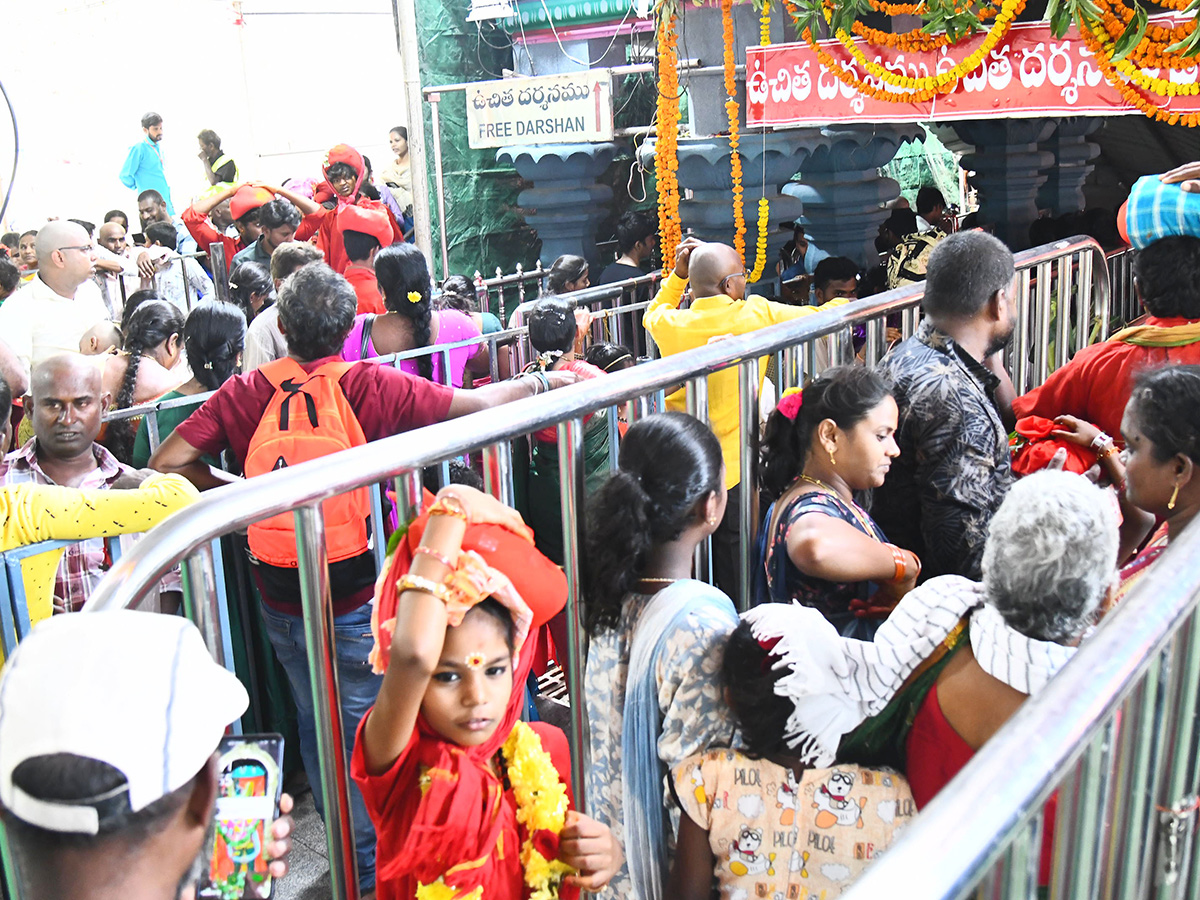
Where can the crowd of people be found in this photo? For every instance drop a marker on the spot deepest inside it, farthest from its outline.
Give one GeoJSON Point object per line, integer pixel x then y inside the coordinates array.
{"type": "Point", "coordinates": [918, 575]}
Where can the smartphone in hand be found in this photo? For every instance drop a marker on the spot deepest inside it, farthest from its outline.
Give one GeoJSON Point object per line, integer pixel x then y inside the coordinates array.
{"type": "Point", "coordinates": [249, 782]}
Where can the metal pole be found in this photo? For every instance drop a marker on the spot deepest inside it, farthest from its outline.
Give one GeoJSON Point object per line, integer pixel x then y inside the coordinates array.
{"type": "Point", "coordinates": [497, 471]}
{"type": "Point", "coordinates": [748, 398]}
{"type": "Point", "coordinates": [1020, 366]}
{"type": "Point", "coordinates": [571, 485]}
{"type": "Point", "coordinates": [697, 406]}
{"type": "Point", "coordinates": [408, 495]}
{"type": "Point", "coordinates": [404, 12]}
{"type": "Point", "coordinates": [316, 602]}
{"type": "Point", "coordinates": [202, 606]}
{"type": "Point", "coordinates": [434, 99]}
{"type": "Point", "coordinates": [219, 266]}
{"type": "Point", "coordinates": [1062, 337]}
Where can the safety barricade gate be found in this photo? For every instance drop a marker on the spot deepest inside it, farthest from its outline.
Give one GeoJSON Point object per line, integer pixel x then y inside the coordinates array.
{"type": "Point", "coordinates": [1075, 268]}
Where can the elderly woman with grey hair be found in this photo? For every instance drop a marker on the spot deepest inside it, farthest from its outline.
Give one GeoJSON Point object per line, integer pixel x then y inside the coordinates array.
{"type": "Point", "coordinates": [1048, 564]}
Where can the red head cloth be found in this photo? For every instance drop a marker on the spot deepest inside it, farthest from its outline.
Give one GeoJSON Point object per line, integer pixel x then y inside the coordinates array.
{"type": "Point", "coordinates": [248, 198]}
{"type": "Point", "coordinates": [374, 222]}
{"type": "Point", "coordinates": [341, 153]}
{"type": "Point", "coordinates": [456, 819]}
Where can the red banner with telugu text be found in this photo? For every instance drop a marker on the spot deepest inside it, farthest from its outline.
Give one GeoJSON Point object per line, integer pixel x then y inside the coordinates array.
{"type": "Point", "coordinates": [1030, 74]}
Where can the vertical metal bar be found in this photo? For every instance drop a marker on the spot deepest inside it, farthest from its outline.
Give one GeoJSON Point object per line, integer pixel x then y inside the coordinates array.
{"type": "Point", "coordinates": [1041, 346]}
{"type": "Point", "coordinates": [909, 320]}
{"type": "Point", "coordinates": [697, 406]}
{"type": "Point", "coordinates": [1020, 363]}
{"type": "Point", "coordinates": [434, 100]}
{"type": "Point", "coordinates": [1157, 721]}
{"type": "Point", "coordinates": [875, 341]}
{"type": "Point", "coordinates": [1062, 339]}
{"type": "Point", "coordinates": [1065, 826]}
{"type": "Point", "coordinates": [1091, 274]}
{"type": "Point", "coordinates": [152, 429]}
{"type": "Point", "coordinates": [614, 437]}
{"type": "Point", "coordinates": [405, 14]}
{"type": "Point", "coordinates": [1123, 788]}
{"type": "Point", "coordinates": [748, 382]}
{"type": "Point", "coordinates": [810, 358]}
{"type": "Point", "coordinates": [316, 603]}
{"type": "Point", "coordinates": [497, 471]}
{"type": "Point", "coordinates": [790, 377]}
{"type": "Point", "coordinates": [493, 358]}
{"type": "Point", "coordinates": [408, 495]}
{"type": "Point", "coordinates": [187, 284]}
{"type": "Point", "coordinates": [378, 541]}
{"type": "Point", "coordinates": [571, 484]}
{"type": "Point", "coordinates": [200, 599]}
{"type": "Point", "coordinates": [219, 266]}
{"type": "Point", "coordinates": [1083, 305]}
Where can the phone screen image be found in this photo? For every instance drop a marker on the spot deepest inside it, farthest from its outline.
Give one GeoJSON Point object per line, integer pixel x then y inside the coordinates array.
{"type": "Point", "coordinates": [249, 781]}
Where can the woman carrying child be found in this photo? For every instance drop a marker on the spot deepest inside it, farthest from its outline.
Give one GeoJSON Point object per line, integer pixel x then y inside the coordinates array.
{"type": "Point", "coordinates": [468, 801]}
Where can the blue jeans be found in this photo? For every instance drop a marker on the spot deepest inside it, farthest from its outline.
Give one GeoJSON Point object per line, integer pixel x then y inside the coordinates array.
{"type": "Point", "coordinates": [357, 686]}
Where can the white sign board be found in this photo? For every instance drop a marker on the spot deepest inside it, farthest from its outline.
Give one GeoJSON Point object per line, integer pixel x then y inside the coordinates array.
{"type": "Point", "coordinates": [549, 109]}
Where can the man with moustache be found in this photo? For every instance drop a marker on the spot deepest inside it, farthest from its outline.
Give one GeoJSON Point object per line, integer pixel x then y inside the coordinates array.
{"type": "Point", "coordinates": [143, 169]}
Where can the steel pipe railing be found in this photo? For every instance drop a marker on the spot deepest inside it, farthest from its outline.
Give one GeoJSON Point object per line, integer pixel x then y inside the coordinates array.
{"type": "Point", "coordinates": [402, 458]}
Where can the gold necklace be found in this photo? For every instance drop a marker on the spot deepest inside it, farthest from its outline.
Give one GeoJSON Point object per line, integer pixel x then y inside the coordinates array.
{"type": "Point", "coordinates": [863, 519]}
{"type": "Point", "coordinates": [660, 580]}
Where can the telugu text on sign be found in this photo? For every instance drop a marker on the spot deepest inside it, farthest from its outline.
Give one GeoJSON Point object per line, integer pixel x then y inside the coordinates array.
{"type": "Point", "coordinates": [551, 109]}
{"type": "Point", "coordinates": [1030, 74]}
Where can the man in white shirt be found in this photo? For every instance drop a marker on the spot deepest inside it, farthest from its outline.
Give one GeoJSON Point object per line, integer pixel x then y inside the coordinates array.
{"type": "Point", "coordinates": [115, 265]}
{"type": "Point", "coordinates": [56, 308]}
{"type": "Point", "coordinates": [172, 270]}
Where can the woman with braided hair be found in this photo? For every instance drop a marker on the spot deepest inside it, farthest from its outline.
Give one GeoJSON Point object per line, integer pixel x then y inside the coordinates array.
{"type": "Point", "coordinates": [147, 367]}
{"type": "Point", "coordinates": [213, 336]}
{"type": "Point", "coordinates": [411, 322]}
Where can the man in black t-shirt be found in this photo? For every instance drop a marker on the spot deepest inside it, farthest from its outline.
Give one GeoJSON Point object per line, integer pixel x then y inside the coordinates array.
{"type": "Point", "coordinates": [637, 236]}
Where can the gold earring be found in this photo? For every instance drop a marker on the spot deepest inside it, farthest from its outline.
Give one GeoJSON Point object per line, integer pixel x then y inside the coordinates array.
{"type": "Point", "coordinates": [1174, 497]}
{"type": "Point", "coordinates": [832, 461]}
{"type": "Point", "coordinates": [712, 521]}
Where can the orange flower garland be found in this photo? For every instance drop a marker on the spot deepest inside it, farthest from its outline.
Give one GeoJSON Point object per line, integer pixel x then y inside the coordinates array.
{"type": "Point", "coordinates": [731, 107]}
{"type": "Point", "coordinates": [666, 162]}
{"type": "Point", "coordinates": [1102, 47]}
{"type": "Point", "coordinates": [760, 253]}
{"type": "Point", "coordinates": [1151, 50]}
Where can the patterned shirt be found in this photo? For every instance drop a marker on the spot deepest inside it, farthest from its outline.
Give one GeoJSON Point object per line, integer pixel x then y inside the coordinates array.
{"type": "Point", "coordinates": [83, 564]}
{"type": "Point", "coordinates": [954, 466]}
{"type": "Point", "coordinates": [694, 715]}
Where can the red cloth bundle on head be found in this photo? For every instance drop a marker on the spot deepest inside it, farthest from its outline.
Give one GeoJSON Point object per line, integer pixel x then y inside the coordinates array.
{"type": "Point", "coordinates": [248, 198]}
{"type": "Point", "coordinates": [1039, 448]}
{"type": "Point", "coordinates": [461, 829]}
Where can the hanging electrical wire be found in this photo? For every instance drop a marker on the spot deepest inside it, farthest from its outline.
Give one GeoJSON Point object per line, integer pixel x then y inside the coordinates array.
{"type": "Point", "coordinates": [16, 152]}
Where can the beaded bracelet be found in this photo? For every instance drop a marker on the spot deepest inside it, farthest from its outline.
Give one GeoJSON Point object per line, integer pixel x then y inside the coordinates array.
{"type": "Point", "coordinates": [411, 582]}
{"type": "Point", "coordinates": [450, 506]}
{"type": "Point", "coordinates": [434, 554]}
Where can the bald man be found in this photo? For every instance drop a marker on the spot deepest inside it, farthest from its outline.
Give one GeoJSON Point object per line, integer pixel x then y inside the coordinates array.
{"type": "Point", "coordinates": [66, 404]}
{"type": "Point", "coordinates": [54, 310]}
{"type": "Point", "coordinates": [720, 307]}
{"type": "Point", "coordinates": [115, 263]}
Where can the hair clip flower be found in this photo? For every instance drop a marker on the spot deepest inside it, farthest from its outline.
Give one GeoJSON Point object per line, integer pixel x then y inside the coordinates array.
{"type": "Point", "coordinates": [414, 297]}
{"type": "Point", "coordinates": [475, 661]}
{"type": "Point", "coordinates": [791, 402]}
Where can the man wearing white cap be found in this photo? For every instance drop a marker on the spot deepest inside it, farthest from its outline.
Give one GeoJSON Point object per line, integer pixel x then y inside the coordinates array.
{"type": "Point", "coordinates": [109, 724]}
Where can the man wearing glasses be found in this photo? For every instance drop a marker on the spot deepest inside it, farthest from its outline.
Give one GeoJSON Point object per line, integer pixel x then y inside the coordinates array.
{"type": "Point", "coordinates": [50, 314]}
{"type": "Point", "coordinates": [720, 308]}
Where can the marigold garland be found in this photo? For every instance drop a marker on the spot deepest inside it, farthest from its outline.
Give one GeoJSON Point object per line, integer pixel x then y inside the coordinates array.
{"type": "Point", "coordinates": [731, 109]}
{"type": "Point", "coordinates": [1151, 50]}
{"type": "Point", "coordinates": [764, 24]}
{"type": "Point", "coordinates": [666, 163]}
{"type": "Point", "coordinates": [541, 806]}
{"type": "Point", "coordinates": [942, 82]}
{"type": "Point", "coordinates": [1101, 51]}
{"type": "Point", "coordinates": [760, 252]}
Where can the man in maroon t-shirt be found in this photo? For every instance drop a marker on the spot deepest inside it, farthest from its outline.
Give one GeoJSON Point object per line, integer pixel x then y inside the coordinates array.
{"type": "Point", "coordinates": [316, 312]}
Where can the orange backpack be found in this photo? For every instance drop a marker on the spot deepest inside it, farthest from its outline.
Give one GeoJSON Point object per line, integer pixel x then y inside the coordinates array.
{"type": "Point", "coordinates": [307, 418]}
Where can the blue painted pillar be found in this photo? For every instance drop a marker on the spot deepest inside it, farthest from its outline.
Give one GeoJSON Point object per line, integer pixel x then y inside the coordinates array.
{"type": "Point", "coordinates": [565, 203]}
{"type": "Point", "coordinates": [1073, 154]}
{"type": "Point", "coordinates": [1009, 168]}
{"type": "Point", "coordinates": [842, 191]}
{"type": "Point", "coordinates": [767, 165]}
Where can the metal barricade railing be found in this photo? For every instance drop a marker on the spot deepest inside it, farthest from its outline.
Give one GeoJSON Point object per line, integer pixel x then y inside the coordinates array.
{"type": "Point", "coordinates": [1115, 735]}
{"type": "Point", "coordinates": [519, 283]}
{"type": "Point", "coordinates": [400, 459]}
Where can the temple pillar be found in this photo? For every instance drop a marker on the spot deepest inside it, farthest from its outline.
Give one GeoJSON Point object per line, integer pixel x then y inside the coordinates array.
{"type": "Point", "coordinates": [844, 196]}
{"type": "Point", "coordinates": [1073, 154]}
{"type": "Point", "coordinates": [565, 203]}
{"type": "Point", "coordinates": [1008, 165]}
{"type": "Point", "coordinates": [767, 165]}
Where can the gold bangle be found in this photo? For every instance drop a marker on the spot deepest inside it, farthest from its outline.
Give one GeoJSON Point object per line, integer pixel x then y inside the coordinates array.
{"type": "Point", "coordinates": [411, 582]}
{"type": "Point", "coordinates": [434, 554]}
{"type": "Point", "coordinates": [1104, 454]}
{"type": "Point", "coordinates": [450, 506]}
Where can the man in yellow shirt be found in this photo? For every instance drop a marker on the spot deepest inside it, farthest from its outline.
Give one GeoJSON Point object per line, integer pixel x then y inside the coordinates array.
{"type": "Point", "coordinates": [719, 307]}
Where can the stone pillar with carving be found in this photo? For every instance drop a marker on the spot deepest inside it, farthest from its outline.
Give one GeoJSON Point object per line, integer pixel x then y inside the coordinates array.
{"type": "Point", "coordinates": [767, 164]}
{"type": "Point", "coordinates": [1009, 169]}
{"type": "Point", "coordinates": [565, 203]}
{"type": "Point", "coordinates": [843, 195]}
{"type": "Point", "coordinates": [1073, 154]}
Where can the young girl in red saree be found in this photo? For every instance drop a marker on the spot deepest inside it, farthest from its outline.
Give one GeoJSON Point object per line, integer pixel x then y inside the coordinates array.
{"type": "Point", "coordinates": [469, 803]}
